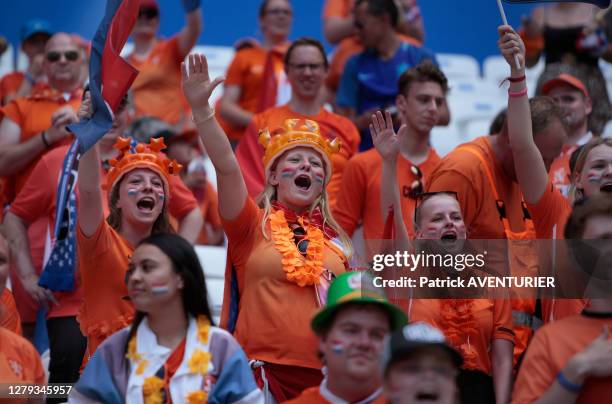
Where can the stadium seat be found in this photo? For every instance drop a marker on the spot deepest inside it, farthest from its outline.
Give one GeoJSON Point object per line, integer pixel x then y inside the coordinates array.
{"type": "Point", "coordinates": [457, 66]}
{"type": "Point", "coordinates": [445, 138]}
{"type": "Point", "coordinates": [6, 61]}
{"type": "Point", "coordinates": [219, 59]}
{"type": "Point", "coordinates": [212, 260]}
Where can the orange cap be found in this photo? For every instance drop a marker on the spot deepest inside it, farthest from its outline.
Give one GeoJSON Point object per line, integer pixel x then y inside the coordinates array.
{"type": "Point", "coordinates": [143, 156]}
{"type": "Point", "coordinates": [297, 133]}
{"type": "Point", "coordinates": [564, 79]}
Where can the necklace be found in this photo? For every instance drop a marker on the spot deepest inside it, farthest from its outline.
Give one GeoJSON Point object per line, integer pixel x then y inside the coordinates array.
{"type": "Point", "coordinates": [199, 361]}
{"type": "Point", "coordinates": [299, 269]}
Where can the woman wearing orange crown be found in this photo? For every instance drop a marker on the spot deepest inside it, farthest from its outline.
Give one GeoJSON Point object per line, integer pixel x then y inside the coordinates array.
{"type": "Point", "coordinates": [138, 189]}
{"type": "Point", "coordinates": [281, 250]}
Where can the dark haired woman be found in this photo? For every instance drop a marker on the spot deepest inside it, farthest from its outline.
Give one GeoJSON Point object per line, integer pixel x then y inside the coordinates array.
{"type": "Point", "coordinates": [171, 353]}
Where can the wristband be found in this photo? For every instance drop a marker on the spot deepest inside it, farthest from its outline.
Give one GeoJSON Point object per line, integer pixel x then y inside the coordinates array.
{"type": "Point", "coordinates": [516, 79]}
{"type": "Point", "coordinates": [205, 119]}
{"type": "Point", "coordinates": [44, 139]}
{"type": "Point", "coordinates": [518, 93]}
{"type": "Point", "coordinates": [567, 385]}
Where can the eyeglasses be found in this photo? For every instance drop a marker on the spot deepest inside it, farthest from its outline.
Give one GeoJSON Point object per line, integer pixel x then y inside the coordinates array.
{"type": "Point", "coordinates": [148, 13]}
{"type": "Point", "coordinates": [416, 188]}
{"type": "Point", "coordinates": [426, 195]}
{"type": "Point", "coordinates": [71, 56]}
{"type": "Point", "coordinates": [301, 242]}
{"type": "Point", "coordinates": [301, 67]}
{"type": "Point", "coordinates": [279, 11]}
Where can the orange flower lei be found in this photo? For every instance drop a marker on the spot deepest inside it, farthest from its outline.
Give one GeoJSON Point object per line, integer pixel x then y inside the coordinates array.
{"type": "Point", "coordinates": [458, 324]}
{"type": "Point", "coordinates": [304, 271]}
{"type": "Point", "coordinates": [198, 363]}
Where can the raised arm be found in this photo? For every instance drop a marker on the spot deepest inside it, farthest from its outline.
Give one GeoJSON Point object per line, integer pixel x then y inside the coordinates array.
{"type": "Point", "coordinates": [198, 87]}
{"type": "Point", "coordinates": [386, 142]}
{"type": "Point", "coordinates": [90, 210]}
{"type": "Point", "coordinates": [528, 163]}
{"type": "Point", "coordinates": [188, 36]}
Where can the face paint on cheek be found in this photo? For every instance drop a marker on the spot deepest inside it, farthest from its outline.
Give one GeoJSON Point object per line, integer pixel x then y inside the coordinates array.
{"type": "Point", "coordinates": [161, 196]}
{"type": "Point", "coordinates": [593, 178]}
{"type": "Point", "coordinates": [319, 178]}
{"type": "Point", "coordinates": [132, 192]}
{"type": "Point", "coordinates": [287, 172]}
{"type": "Point", "coordinates": [160, 289]}
{"type": "Point", "coordinates": [337, 347]}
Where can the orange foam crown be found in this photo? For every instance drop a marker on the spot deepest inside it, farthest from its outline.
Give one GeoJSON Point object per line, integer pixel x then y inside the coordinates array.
{"type": "Point", "coordinates": [297, 133]}
{"type": "Point", "coordinates": [145, 156]}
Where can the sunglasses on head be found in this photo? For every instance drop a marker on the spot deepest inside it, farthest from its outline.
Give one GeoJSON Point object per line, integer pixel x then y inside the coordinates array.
{"type": "Point", "coordinates": [416, 188]}
{"type": "Point", "coordinates": [423, 196]}
{"type": "Point", "coordinates": [148, 13]}
{"type": "Point", "coordinates": [71, 56]}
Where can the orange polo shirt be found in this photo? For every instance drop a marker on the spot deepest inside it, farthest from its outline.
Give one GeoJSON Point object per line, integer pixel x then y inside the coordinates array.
{"type": "Point", "coordinates": [549, 352]}
{"type": "Point", "coordinates": [358, 201]}
{"type": "Point", "coordinates": [247, 72]}
{"type": "Point", "coordinates": [19, 361]}
{"type": "Point", "coordinates": [274, 314]}
{"type": "Point", "coordinates": [11, 83]}
{"type": "Point", "coordinates": [313, 395]}
{"type": "Point", "coordinates": [9, 316]}
{"type": "Point", "coordinates": [250, 153]}
{"type": "Point", "coordinates": [157, 88]}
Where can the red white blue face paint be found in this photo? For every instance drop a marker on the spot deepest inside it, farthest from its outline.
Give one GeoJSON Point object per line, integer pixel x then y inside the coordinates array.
{"type": "Point", "coordinates": [287, 172]}
{"type": "Point", "coordinates": [132, 192]}
{"type": "Point", "coordinates": [161, 196]}
{"type": "Point", "coordinates": [319, 178]}
{"type": "Point", "coordinates": [594, 178]}
{"type": "Point", "coordinates": [160, 290]}
{"type": "Point", "coordinates": [337, 347]}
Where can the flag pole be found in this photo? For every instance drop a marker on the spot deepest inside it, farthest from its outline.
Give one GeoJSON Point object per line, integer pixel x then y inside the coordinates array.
{"type": "Point", "coordinates": [505, 21]}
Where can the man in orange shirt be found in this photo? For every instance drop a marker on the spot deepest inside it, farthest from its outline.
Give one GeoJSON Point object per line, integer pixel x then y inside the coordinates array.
{"type": "Point", "coordinates": [19, 361]}
{"type": "Point", "coordinates": [157, 89]}
{"type": "Point", "coordinates": [305, 65]}
{"type": "Point", "coordinates": [421, 93]}
{"type": "Point", "coordinates": [570, 360]}
{"type": "Point", "coordinates": [255, 79]}
{"type": "Point", "coordinates": [30, 127]}
{"type": "Point", "coordinates": [34, 36]}
{"type": "Point", "coordinates": [572, 97]}
{"type": "Point", "coordinates": [483, 176]}
{"type": "Point", "coordinates": [352, 328]}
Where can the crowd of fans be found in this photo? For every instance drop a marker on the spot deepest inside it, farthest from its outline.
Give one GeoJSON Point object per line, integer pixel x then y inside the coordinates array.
{"type": "Point", "coordinates": [298, 154]}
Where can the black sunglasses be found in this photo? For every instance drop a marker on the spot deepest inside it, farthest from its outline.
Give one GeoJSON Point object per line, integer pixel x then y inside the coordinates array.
{"type": "Point", "coordinates": [148, 13]}
{"type": "Point", "coordinates": [416, 188]}
{"type": "Point", "coordinates": [71, 56]}
{"type": "Point", "coordinates": [301, 242]}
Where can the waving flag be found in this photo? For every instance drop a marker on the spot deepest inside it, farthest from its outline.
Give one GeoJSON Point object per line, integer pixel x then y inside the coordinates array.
{"type": "Point", "coordinates": [598, 3]}
{"type": "Point", "coordinates": [110, 77]}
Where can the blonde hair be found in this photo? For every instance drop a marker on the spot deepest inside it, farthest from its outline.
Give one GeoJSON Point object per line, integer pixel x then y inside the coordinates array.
{"type": "Point", "coordinates": [264, 200]}
{"type": "Point", "coordinates": [574, 192]}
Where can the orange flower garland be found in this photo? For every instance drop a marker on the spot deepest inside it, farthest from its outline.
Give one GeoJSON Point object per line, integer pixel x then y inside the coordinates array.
{"type": "Point", "coordinates": [304, 271]}
{"type": "Point", "coordinates": [458, 323]}
{"type": "Point", "coordinates": [197, 397]}
{"type": "Point", "coordinates": [152, 390]}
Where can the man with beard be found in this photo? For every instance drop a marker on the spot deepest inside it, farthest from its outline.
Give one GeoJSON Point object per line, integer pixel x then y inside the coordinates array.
{"type": "Point", "coordinates": [352, 328]}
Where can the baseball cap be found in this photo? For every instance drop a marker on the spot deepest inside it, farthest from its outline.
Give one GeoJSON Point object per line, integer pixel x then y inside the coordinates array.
{"type": "Point", "coordinates": [564, 79]}
{"type": "Point", "coordinates": [413, 337]}
{"type": "Point", "coordinates": [35, 26]}
{"type": "Point", "coordinates": [356, 287]}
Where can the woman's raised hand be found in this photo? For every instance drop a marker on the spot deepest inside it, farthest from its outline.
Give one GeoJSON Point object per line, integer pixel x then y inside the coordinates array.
{"type": "Point", "coordinates": [510, 44]}
{"type": "Point", "coordinates": [197, 85]}
{"type": "Point", "coordinates": [384, 137]}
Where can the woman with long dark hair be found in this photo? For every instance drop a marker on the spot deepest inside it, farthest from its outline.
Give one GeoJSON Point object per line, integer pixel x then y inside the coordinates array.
{"type": "Point", "coordinates": [171, 352]}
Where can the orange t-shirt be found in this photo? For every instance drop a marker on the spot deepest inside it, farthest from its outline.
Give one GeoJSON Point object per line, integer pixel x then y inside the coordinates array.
{"type": "Point", "coordinates": [492, 319]}
{"type": "Point", "coordinates": [551, 348]}
{"type": "Point", "coordinates": [274, 314]}
{"type": "Point", "coordinates": [102, 274]}
{"type": "Point", "coordinates": [19, 361]}
{"type": "Point", "coordinates": [337, 8]}
{"type": "Point", "coordinates": [250, 153]}
{"type": "Point", "coordinates": [33, 115]}
{"type": "Point", "coordinates": [359, 198]}
{"type": "Point", "coordinates": [312, 395]}
{"type": "Point", "coordinates": [157, 88]}
{"type": "Point", "coordinates": [10, 84]}
{"type": "Point", "coordinates": [560, 173]}
{"type": "Point", "coordinates": [247, 72]}
{"type": "Point", "coordinates": [9, 316]}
